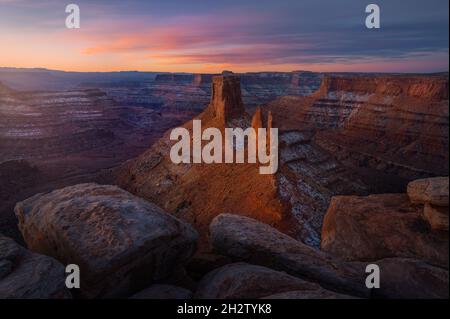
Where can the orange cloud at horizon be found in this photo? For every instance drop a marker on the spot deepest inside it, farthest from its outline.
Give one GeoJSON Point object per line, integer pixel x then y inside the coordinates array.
{"type": "Point", "coordinates": [186, 47]}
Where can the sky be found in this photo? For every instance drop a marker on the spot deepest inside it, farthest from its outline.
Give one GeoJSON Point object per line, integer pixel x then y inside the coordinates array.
{"type": "Point", "coordinates": [240, 35]}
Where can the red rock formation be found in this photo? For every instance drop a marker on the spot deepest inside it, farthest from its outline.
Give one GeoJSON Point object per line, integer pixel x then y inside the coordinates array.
{"type": "Point", "coordinates": [395, 125]}
{"type": "Point", "coordinates": [394, 129]}
{"type": "Point", "coordinates": [257, 121]}
{"type": "Point", "coordinates": [381, 226]}
{"type": "Point", "coordinates": [433, 193]}
{"type": "Point", "coordinates": [294, 200]}
{"type": "Point", "coordinates": [199, 192]}
{"type": "Point", "coordinates": [226, 98]}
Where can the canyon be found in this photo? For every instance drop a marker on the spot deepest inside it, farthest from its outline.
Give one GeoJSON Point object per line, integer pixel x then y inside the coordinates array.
{"type": "Point", "coordinates": [362, 178]}
{"type": "Point", "coordinates": [62, 128]}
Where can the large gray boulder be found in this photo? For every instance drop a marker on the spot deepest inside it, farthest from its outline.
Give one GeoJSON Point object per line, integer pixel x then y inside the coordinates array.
{"type": "Point", "coordinates": [248, 240]}
{"type": "Point", "coordinates": [245, 281]}
{"type": "Point", "coordinates": [121, 243]}
{"type": "Point", "coordinates": [26, 275]}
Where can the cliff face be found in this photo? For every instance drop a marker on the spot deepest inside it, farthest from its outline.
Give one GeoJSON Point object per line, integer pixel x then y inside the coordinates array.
{"type": "Point", "coordinates": [432, 87]}
{"type": "Point", "coordinates": [226, 98]}
{"type": "Point", "coordinates": [396, 126]}
{"type": "Point", "coordinates": [400, 129]}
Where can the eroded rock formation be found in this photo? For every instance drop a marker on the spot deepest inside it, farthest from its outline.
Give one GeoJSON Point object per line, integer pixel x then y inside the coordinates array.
{"type": "Point", "coordinates": [381, 226]}
{"type": "Point", "coordinates": [226, 98]}
{"type": "Point", "coordinates": [120, 242]}
{"type": "Point", "coordinates": [394, 128]}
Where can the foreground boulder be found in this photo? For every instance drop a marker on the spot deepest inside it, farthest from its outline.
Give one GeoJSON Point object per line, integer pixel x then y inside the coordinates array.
{"type": "Point", "coordinates": [381, 226]}
{"type": "Point", "coordinates": [248, 240]}
{"type": "Point", "coordinates": [245, 281]}
{"type": "Point", "coordinates": [26, 275]}
{"type": "Point", "coordinates": [163, 292]}
{"type": "Point", "coordinates": [120, 242]}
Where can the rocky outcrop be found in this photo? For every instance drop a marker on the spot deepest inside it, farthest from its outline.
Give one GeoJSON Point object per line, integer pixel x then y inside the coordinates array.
{"type": "Point", "coordinates": [433, 191]}
{"type": "Point", "coordinates": [198, 192]}
{"type": "Point", "coordinates": [120, 242]}
{"type": "Point", "coordinates": [248, 240]}
{"type": "Point", "coordinates": [257, 119]}
{"type": "Point", "coordinates": [163, 292]}
{"type": "Point", "coordinates": [226, 98]}
{"type": "Point", "coordinates": [381, 226]}
{"type": "Point", "coordinates": [432, 194]}
{"type": "Point", "coordinates": [395, 125]}
{"type": "Point", "coordinates": [293, 200]}
{"type": "Point", "coordinates": [245, 281]}
{"type": "Point", "coordinates": [412, 86]}
{"type": "Point", "coordinates": [26, 275]}
{"type": "Point", "coordinates": [394, 129]}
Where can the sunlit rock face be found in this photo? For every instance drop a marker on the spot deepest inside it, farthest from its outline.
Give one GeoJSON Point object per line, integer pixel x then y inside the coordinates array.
{"type": "Point", "coordinates": [390, 126]}
{"type": "Point", "coordinates": [400, 126]}
{"type": "Point", "coordinates": [226, 98]}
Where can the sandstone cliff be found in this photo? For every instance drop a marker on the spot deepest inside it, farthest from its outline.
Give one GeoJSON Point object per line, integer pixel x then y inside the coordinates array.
{"type": "Point", "coordinates": [392, 128]}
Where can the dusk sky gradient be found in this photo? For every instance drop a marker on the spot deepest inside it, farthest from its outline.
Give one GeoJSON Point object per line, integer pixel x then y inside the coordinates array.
{"type": "Point", "coordinates": [210, 36]}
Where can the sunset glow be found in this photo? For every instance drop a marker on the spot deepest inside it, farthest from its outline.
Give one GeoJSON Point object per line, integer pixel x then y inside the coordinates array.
{"type": "Point", "coordinates": [204, 36]}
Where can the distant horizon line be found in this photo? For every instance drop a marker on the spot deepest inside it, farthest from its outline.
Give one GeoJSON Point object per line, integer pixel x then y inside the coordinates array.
{"type": "Point", "coordinates": [217, 73]}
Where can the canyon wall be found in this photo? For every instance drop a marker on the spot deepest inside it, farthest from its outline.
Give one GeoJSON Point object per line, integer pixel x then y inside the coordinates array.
{"type": "Point", "coordinates": [393, 128]}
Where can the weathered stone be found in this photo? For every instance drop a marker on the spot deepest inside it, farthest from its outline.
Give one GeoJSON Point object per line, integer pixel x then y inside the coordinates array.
{"type": "Point", "coordinates": [257, 119]}
{"type": "Point", "coordinates": [245, 281]}
{"type": "Point", "coordinates": [226, 97]}
{"type": "Point", "coordinates": [249, 240]}
{"type": "Point", "coordinates": [120, 242]}
{"type": "Point", "coordinates": [437, 216]}
{"type": "Point", "coordinates": [163, 292]}
{"type": "Point", "coordinates": [429, 190]}
{"type": "Point", "coordinates": [26, 275]}
{"type": "Point", "coordinates": [381, 226]}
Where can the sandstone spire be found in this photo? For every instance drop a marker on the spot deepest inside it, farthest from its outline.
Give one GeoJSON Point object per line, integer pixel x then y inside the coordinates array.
{"type": "Point", "coordinates": [226, 99]}
{"type": "Point", "coordinates": [257, 119]}
{"type": "Point", "coordinates": [269, 126]}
